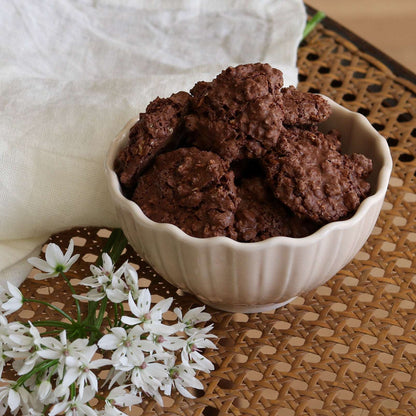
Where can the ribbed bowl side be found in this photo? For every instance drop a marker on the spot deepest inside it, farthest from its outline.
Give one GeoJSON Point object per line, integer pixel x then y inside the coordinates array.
{"type": "Point", "coordinates": [246, 276]}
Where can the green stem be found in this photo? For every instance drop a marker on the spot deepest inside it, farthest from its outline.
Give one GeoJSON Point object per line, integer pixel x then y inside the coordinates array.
{"type": "Point", "coordinates": [101, 313]}
{"type": "Point", "coordinates": [115, 314]}
{"type": "Point", "coordinates": [115, 234]}
{"type": "Point", "coordinates": [98, 322]}
{"type": "Point", "coordinates": [114, 246]}
{"type": "Point", "coordinates": [311, 24]}
{"type": "Point", "coordinates": [100, 397]}
{"type": "Point", "coordinates": [68, 282]}
{"type": "Point", "coordinates": [92, 307]}
{"type": "Point", "coordinates": [119, 245]}
{"type": "Point", "coordinates": [60, 324]}
{"type": "Point", "coordinates": [50, 306]}
{"type": "Point", "coordinates": [47, 333]}
{"type": "Point", "coordinates": [122, 311]}
{"type": "Point", "coordinates": [44, 365]}
{"type": "Point", "coordinates": [73, 389]}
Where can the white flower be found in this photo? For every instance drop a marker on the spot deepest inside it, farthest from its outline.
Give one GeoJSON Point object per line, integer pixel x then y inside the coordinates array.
{"type": "Point", "coordinates": [80, 369]}
{"type": "Point", "coordinates": [180, 376]}
{"type": "Point", "coordinates": [5, 331]}
{"type": "Point", "coordinates": [94, 295]}
{"type": "Point", "coordinates": [8, 331]}
{"type": "Point", "coordinates": [191, 355]}
{"type": "Point", "coordinates": [117, 291]}
{"type": "Point", "coordinates": [149, 318]}
{"type": "Point", "coordinates": [105, 282]}
{"type": "Point", "coordinates": [111, 410]}
{"type": "Point", "coordinates": [191, 318]}
{"type": "Point", "coordinates": [158, 343]}
{"type": "Point", "coordinates": [56, 262]}
{"type": "Point", "coordinates": [12, 396]}
{"type": "Point", "coordinates": [13, 299]}
{"type": "Point", "coordinates": [132, 280]}
{"type": "Point", "coordinates": [127, 347]}
{"type": "Point", "coordinates": [61, 349]}
{"type": "Point", "coordinates": [148, 376]}
{"type": "Point", "coordinates": [44, 392]}
{"type": "Point", "coordinates": [117, 376]}
{"type": "Point", "coordinates": [26, 348]}
{"type": "Point", "coordinates": [77, 406]}
{"type": "Point", "coordinates": [106, 269]}
{"type": "Point", "coordinates": [120, 397]}
{"type": "Point", "coordinates": [102, 275]}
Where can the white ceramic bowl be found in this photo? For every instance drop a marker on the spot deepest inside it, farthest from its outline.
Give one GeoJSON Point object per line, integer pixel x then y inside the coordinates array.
{"type": "Point", "coordinates": [253, 277]}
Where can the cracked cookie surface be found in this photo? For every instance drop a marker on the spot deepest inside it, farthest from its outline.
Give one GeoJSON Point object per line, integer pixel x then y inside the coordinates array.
{"type": "Point", "coordinates": [239, 114]}
{"type": "Point", "coordinates": [192, 189]}
{"type": "Point", "coordinates": [159, 127]}
{"type": "Point", "coordinates": [311, 177]}
{"type": "Point", "coordinates": [260, 215]}
{"type": "Point", "coordinates": [303, 108]}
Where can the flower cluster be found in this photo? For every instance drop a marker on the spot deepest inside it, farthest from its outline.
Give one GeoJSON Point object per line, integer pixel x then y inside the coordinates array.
{"type": "Point", "coordinates": [57, 371]}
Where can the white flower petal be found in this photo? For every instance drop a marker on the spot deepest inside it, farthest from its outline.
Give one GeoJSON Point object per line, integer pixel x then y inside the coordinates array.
{"type": "Point", "coordinates": [58, 408]}
{"type": "Point", "coordinates": [163, 305]}
{"type": "Point", "coordinates": [71, 375]}
{"type": "Point", "coordinates": [107, 262]}
{"type": "Point", "coordinates": [201, 362]}
{"type": "Point", "coordinates": [88, 411]}
{"type": "Point", "coordinates": [69, 251]}
{"type": "Point", "coordinates": [14, 291]}
{"type": "Point", "coordinates": [130, 321]}
{"type": "Point", "coordinates": [44, 390]}
{"type": "Point", "coordinates": [92, 296]}
{"type": "Point", "coordinates": [12, 305]}
{"type": "Point", "coordinates": [40, 264]}
{"type": "Point", "coordinates": [123, 399]}
{"type": "Point", "coordinates": [116, 295]}
{"type": "Point", "coordinates": [143, 302]}
{"type": "Point", "coordinates": [96, 271]}
{"type": "Point", "coordinates": [13, 400]}
{"type": "Point", "coordinates": [178, 313]}
{"type": "Point", "coordinates": [183, 391]}
{"type": "Point", "coordinates": [90, 281]}
{"type": "Point", "coordinates": [93, 380]}
{"type": "Point", "coordinates": [109, 342]}
{"type": "Point", "coordinates": [119, 332]}
{"type": "Point", "coordinates": [71, 261]}
{"type": "Point", "coordinates": [61, 391]}
{"type": "Point", "coordinates": [54, 255]}
{"type": "Point", "coordinates": [44, 276]}
{"type": "Point", "coordinates": [102, 362]}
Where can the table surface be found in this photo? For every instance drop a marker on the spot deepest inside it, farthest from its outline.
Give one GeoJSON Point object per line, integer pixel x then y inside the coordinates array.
{"type": "Point", "coordinates": [387, 24]}
{"type": "Point", "coordinates": [348, 347]}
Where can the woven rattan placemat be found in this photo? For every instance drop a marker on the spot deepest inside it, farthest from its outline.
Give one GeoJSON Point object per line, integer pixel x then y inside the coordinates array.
{"type": "Point", "coordinates": [347, 348]}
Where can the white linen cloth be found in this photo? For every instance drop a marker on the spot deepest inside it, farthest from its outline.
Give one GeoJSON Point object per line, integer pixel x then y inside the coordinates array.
{"type": "Point", "coordinates": [73, 72]}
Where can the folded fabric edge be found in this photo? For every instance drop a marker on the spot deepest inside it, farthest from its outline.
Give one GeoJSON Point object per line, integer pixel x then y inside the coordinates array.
{"type": "Point", "coordinates": [18, 271]}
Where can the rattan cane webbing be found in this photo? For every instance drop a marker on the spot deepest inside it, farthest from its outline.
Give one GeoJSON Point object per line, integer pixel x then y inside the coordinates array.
{"type": "Point", "coordinates": [347, 348]}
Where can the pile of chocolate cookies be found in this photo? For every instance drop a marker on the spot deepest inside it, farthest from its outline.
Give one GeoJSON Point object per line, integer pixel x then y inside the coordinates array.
{"type": "Point", "coordinates": [241, 157]}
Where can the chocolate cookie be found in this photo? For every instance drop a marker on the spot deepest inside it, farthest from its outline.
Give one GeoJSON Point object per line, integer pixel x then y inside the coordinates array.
{"type": "Point", "coordinates": [260, 215]}
{"type": "Point", "coordinates": [239, 114]}
{"type": "Point", "coordinates": [157, 128]}
{"type": "Point", "coordinates": [310, 176]}
{"type": "Point", "coordinates": [303, 108]}
{"type": "Point", "coordinates": [192, 189]}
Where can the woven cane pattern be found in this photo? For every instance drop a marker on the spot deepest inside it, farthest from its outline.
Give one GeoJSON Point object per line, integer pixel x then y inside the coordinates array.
{"type": "Point", "coordinates": [347, 348]}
